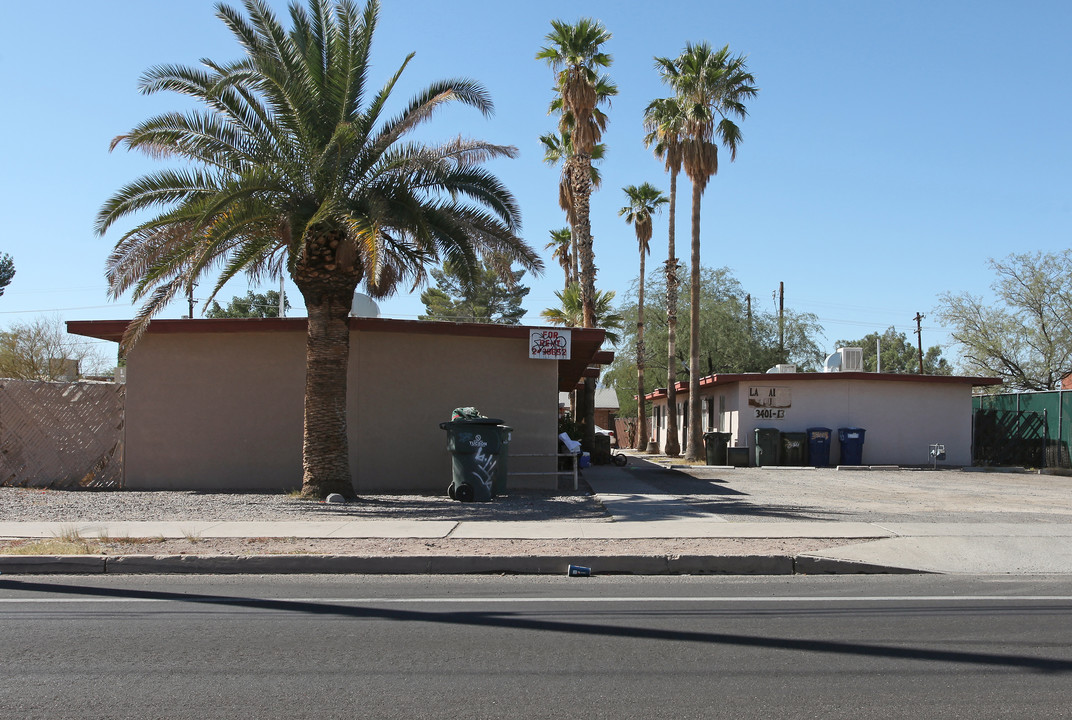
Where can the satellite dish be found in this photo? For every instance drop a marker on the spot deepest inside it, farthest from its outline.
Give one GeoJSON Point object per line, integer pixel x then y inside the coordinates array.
{"type": "Point", "coordinates": [364, 306]}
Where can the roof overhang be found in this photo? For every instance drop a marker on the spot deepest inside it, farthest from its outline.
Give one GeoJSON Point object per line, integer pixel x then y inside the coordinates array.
{"type": "Point", "coordinates": [585, 342]}
{"type": "Point", "coordinates": [772, 378]}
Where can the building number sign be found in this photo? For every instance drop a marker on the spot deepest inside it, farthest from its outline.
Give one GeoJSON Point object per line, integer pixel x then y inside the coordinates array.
{"type": "Point", "coordinates": [769, 403]}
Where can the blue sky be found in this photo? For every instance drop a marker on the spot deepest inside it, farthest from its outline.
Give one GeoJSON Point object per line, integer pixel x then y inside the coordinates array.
{"type": "Point", "coordinates": [894, 146]}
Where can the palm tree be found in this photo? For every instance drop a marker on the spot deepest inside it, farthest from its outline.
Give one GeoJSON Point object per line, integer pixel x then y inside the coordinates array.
{"type": "Point", "coordinates": [663, 121]}
{"type": "Point", "coordinates": [292, 166]}
{"type": "Point", "coordinates": [643, 201]}
{"type": "Point", "coordinates": [557, 147]}
{"type": "Point", "coordinates": [570, 312]}
{"type": "Point", "coordinates": [711, 86]}
{"type": "Point", "coordinates": [560, 247]}
{"type": "Point", "coordinates": [575, 53]}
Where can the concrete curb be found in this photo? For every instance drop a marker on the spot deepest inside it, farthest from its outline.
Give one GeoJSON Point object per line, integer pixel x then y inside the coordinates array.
{"type": "Point", "coordinates": [436, 565]}
{"type": "Point", "coordinates": [52, 564]}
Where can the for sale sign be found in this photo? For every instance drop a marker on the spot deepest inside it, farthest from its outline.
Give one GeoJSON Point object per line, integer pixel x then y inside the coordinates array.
{"type": "Point", "coordinates": [549, 344]}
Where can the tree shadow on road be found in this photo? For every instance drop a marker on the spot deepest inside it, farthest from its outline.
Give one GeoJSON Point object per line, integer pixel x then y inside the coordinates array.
{"type": "Point", "coordinates": [510, 620]}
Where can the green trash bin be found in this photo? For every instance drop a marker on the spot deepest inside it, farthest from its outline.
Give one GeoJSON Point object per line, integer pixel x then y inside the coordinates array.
{"type": "Point", "coordinates": [715, 447]}
{"type": "Point", "coordinates": [768, 451]}
{"type": "Point", "coordinates": [474, 446]}
{"type": "Point", "coordinates": [795, 449]}
{"type": "Point", "coordinates": [499, 486]}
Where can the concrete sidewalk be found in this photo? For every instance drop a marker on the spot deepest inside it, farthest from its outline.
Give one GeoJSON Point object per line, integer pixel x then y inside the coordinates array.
{"type": "Point", "coordinates": [639, 510]}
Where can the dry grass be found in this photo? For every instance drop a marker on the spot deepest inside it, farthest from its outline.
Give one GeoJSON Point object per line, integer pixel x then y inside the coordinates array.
{"type": "Point", "coordinates": [51, 547]}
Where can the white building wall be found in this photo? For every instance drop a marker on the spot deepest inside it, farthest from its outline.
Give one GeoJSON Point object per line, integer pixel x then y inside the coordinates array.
{"type": "Point", "coordinates": [901, 417]}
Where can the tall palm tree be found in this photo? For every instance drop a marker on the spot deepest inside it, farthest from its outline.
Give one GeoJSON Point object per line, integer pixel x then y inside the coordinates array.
{"type": "Point", "coordinates": [575, 52]}
{"type": "Point", "coordinates": [558, 148]}
{"type": "Point", "coordinates": [643, 201]}
{"type": "Point", "coordinates": [711, 87]}
{"type": "Point", "coordinates": [663, 122]}
{"type": "Point", "coordinates": [291, 165]}
{"type": "Point", "coordinates": [570, 312]}
{"type": "Point", "coordinates": [560, 251]}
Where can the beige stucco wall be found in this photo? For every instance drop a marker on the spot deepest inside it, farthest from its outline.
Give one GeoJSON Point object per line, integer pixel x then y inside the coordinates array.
{"type": "Point", "coordinates": [224, 411]}
{"type": "Point", "coordinates": [901, 418]}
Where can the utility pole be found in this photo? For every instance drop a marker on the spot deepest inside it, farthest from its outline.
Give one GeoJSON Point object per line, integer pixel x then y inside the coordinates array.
{"type": "Point", "coordinates": [781, 321]}
{"type": "Point", "coordinates": [748, 301]}
{"type": "Point", "coordinates": [190, 298]}
{"type": "Point", "coordinates": [919, 339]}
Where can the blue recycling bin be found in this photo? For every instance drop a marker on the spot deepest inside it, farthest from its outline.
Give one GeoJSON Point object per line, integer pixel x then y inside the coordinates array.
{"type": "Point", "coordinates": [852, 445]}
{"type": "Point", "coordinates": [819, 446]}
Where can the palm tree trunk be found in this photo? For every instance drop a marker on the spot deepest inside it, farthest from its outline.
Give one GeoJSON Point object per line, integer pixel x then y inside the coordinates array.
{"type": "Point", "coordinates": [325, 450]}
{"type": "Point", "coordinates": [672, 446]}
{"type": "Point", "coordinates": [693, 450]}
{"type": "Point", "coordinates": [642, 415]}
{"type": "Point", "coordinates": [581, 179]}
{"type": "Point", "coordinates": [327, 283]}
{"type": "Point", "coordinates": [572, 272]}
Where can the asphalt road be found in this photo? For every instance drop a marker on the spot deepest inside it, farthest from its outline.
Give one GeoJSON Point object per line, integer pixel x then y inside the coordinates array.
{"type": "Point", "coordinates": [542, 647]}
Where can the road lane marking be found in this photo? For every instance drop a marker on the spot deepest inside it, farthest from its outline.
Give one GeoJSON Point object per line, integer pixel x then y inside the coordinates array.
{"type": "Point", "coordinates": [555, 600]}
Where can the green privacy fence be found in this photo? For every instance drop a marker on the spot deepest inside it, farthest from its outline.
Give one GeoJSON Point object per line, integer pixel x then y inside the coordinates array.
{"type": "Point", "coordinates": [1031, 428]}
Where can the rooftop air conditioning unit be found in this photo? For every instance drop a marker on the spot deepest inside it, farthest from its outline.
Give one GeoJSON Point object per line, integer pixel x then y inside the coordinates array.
{"type": "Point", "coordinates": [846, 359]}
{"type": "Point", "coordinates": [783, 368]}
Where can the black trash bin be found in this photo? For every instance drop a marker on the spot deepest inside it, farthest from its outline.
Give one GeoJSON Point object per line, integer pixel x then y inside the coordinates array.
{"type": "Point", "coordinates": [715, 447]}
{"type": "Point", "coordinates": [819, 446]}
{"type": "Point", "coordinates": [852, 445]}
{"type": "Point", "coordinates": [767, 442]}
{"type": "Point", "coordinates": [794, 449]}
{"type": "Point", "coordinates": [474, 446]}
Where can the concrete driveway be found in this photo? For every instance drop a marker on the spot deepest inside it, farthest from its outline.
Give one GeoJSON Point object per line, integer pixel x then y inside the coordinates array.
{"type": "Point", "coordinates": [944, 521]}
{"type": "Point", "coordinates": [925, 496]}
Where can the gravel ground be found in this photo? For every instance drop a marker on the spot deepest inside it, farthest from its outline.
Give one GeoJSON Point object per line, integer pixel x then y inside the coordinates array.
{"type": "Point", "coordinates": [24, 504]}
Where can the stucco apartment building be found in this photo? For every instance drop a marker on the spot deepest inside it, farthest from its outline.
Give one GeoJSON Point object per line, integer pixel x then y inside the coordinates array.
{"type": "Point", "coordinates": [218, 404]}
{"type": "Point", "coordinates": [902, 415]}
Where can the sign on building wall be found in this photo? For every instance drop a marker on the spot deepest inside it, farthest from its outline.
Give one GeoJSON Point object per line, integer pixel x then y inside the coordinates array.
{"type": "Point", "coordinates": [769, 403]}
{"type": "Point", "coordinates": [549, 344]}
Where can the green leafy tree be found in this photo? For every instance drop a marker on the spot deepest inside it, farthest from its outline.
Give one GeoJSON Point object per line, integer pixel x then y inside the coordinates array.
{"type": "Point", "coordinates": [664, 123]}
{"type": "Point", "coordinates": [732, 340]}
{"type": "Point", "coordinates": [899, 355]}
{"type": "Point", "coordinates": [1026, 338]}
{"type": "Point", "coordinates": [570, 312]}
{"type": "Point", "coordinates": [253, 305]}
{"type": "Point", "coordinates": [291, 164]}
{"type": "Point", "coordinates": [7, 271]}
{"type": "Point", "coordinates": [643, 201]}
{"type": "Point", "coordinates": [711, 87]}
{"type": "Point", "coordinates": [487, 298]}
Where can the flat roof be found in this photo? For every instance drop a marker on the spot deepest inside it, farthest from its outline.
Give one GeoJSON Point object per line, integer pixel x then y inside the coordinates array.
{"type": "Point", "coordinates": [731, 378]}
{"type": "Point", "coordinates": [585, 342]}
